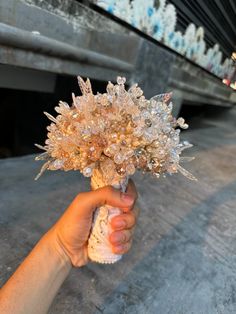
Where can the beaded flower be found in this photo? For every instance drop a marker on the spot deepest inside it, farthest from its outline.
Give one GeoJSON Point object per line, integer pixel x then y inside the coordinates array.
{"type": "Point", "coordinates": [190, 35]}
{"type": "Point", "coordinates": [157, 30]}
{"type": "Point", "coordinates": [119, 131]}
{"type": "Point", "coordinates": [177, 42]}
{"type": "Point", "coordinates": [169, 18]}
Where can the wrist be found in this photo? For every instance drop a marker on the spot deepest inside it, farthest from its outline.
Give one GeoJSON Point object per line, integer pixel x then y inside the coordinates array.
{"type": "Point", "coordinates": [63, 244]}
{"type": "Point", "coordinates": [56, 248]}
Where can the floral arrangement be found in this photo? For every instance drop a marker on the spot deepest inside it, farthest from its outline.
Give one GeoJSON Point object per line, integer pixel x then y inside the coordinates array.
{"type": "Point", "coordinates": [108, 137]}
{"type": "Point", "coordinates": [158, 19]}
{"type": "Point", "coordinates": [120, 128]}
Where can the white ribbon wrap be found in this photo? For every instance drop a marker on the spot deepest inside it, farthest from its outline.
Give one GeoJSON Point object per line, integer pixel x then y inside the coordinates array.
{"type": "Point", "coordinates": [99, 247]}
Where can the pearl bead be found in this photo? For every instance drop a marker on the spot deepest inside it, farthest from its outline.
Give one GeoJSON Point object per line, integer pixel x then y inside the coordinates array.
{"type": "Point", "coordinates": [87, 172]}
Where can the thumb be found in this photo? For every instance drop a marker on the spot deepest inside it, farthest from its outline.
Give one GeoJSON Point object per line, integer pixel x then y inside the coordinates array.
{"type": "Point", "coordinates": [85, 203]}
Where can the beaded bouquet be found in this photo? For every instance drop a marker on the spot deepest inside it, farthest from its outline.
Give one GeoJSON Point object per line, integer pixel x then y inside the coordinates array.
{"type": "Point", "coordinates": [107, 137]}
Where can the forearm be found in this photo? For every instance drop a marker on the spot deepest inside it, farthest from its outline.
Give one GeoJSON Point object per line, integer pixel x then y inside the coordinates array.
{"type": "Point", "coordinates": [33, 286]}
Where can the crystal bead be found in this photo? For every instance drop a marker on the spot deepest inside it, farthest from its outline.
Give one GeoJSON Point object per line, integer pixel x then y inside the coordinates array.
{"type": "Point", "coordinates": [167, 129]}
{"type": "Point", "coordinates": [129, 153]}
{"type": "Point", "coordinates": [110, 88]}
{"type": "Point", "coordinates": [114, 148]}
{"type": "Point", "coordinates": [122, 112]}
{"type": "Point", "coordinates": [130, 169]}
{"type": "Point", "coordinates": [184, 126]}
{"type": "Point", "coordinates": [145, 114]}
{"type": "Point", "coordinates": [138, 152]}
{"type": "Point", "coordinates": [118, 158]}
{"type": "Point", "coordinates": [114, 136]}
{"type": "Point", "coordinates": [121, 171]}
{"type": "Point", "coordinates": [138, 92]}
{"type": "Point", "coordinates": [57, 164]}
{"type": "Point", "coordinates": [181, 123]}
{"type": "Point", "coordinates": [138, 132]}
{"type": "Point", "coordinates": [110, 98]}
{"type": "Point", "coordinates": [148, 122]}
{"type": "Point", "coordinates": [148, 137]}
{"type": "Point", "coordinates": [107, 152]}
{"type": "Point", "coordinates": [121, 80]}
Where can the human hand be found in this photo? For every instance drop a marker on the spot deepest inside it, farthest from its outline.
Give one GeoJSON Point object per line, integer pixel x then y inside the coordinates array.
{"type": "Point", "coordinates": [70, 233]}
{"type": "Point", "coordinates": [44, 270]}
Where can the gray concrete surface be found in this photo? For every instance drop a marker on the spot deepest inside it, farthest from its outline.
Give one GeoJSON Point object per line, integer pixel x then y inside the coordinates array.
{"type": "Point", "coordinates": [183, 259]}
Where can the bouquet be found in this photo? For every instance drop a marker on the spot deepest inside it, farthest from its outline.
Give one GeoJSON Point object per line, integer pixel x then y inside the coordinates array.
{"type": "Point", "coordinates": [108, 137]}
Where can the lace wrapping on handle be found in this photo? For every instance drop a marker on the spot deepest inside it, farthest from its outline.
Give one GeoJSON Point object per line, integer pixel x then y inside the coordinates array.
{"type": "Point", "coordinates": [99, 247]}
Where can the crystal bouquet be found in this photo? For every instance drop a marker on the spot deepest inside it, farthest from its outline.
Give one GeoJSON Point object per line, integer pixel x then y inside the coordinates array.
{"type": "Point", "coordinates": [108, 137]}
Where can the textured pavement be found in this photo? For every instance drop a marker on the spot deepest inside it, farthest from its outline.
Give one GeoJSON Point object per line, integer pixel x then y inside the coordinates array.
{"type": "Point", "coordinates": [183, 259]}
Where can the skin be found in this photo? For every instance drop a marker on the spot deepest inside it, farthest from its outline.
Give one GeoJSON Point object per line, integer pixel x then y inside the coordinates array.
{"type": "Point", "coordinates": [33, 286]}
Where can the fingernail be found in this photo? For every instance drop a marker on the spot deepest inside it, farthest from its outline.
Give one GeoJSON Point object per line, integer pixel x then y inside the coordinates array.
{"type": "Point", "coordinates": [127, 198]}
{"type": "Point", "coordinates": [119, 223]}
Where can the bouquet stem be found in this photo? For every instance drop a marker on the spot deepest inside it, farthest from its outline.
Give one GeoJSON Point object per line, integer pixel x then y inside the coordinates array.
{"type": "Point", "coordinates": [99, 247]}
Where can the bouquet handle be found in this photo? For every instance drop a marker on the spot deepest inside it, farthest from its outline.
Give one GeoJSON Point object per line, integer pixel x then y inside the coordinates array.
{"type": "Point", "coordinates": [99, 247]}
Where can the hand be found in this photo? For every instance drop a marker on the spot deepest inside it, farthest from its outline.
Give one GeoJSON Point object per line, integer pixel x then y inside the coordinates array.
{"type": "Point", "coordinates": [64, 245]}
{"type": "Point", "coordinates": [123, 225]}
{"type": "Point", "coordinates": [70, 233]}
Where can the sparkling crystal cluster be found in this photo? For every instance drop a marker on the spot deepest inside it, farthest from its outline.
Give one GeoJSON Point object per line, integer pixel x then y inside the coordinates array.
{"type": "Point", "coordinates": [117, 132]}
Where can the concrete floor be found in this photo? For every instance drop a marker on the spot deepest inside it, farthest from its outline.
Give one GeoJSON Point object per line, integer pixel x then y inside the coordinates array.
{"type": "Point", "coordinates": [183, 258]}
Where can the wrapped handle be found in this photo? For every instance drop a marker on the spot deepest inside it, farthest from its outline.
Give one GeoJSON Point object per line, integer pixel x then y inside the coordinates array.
{"type": "Point", "coordinates": [99, 247]}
